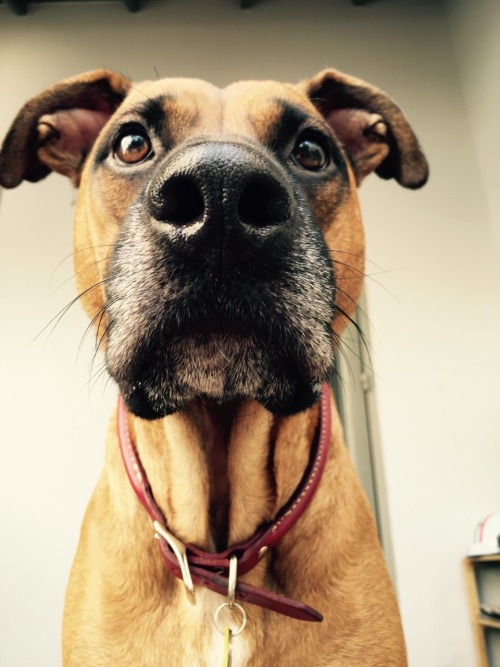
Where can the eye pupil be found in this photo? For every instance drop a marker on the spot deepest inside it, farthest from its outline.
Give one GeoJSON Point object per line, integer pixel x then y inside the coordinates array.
{"type": "Point", "coordinates": [132, 148]}
{"type": "Point", "coordinates": [310, 155]}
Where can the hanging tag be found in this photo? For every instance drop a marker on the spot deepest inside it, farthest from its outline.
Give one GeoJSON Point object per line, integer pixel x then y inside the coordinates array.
{"type": "Point", "coordinates": [228, 640]}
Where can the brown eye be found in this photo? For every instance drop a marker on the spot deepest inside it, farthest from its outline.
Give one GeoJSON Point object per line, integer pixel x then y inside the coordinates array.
{"type": "Point", "coordinates": [308, 153]}
{"type": "Point", "coordinates": [133, 147]}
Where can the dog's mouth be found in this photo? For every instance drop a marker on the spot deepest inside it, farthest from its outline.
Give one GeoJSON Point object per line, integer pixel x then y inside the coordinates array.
{"type": "Point", "coordinates": [181, 335]}
{"type": "Point", "coordinates": [221, 361]}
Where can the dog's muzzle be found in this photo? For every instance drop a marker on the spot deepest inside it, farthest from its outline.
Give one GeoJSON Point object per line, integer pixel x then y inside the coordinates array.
{"type": "Point", "coordinates": [220, 286]}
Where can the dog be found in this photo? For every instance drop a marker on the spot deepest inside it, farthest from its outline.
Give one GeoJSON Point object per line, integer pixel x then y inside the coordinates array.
{"type": "Point", "coordinates": [219, 253]}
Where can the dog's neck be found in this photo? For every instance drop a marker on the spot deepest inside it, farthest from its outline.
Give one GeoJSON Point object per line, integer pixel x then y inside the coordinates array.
{"type": "Point", "coordinates": [218, 472]}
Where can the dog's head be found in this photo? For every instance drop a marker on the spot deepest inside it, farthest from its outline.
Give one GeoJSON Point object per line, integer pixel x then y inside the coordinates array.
{"type": "Point", "coordinates": [218, 240]}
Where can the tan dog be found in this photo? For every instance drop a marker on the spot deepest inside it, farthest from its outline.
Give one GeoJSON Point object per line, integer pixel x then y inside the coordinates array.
{"type": "Point", "coordinates": [219, 252]}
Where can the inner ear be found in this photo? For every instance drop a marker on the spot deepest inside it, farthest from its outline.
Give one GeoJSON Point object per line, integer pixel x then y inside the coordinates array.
{"type": "Point", "coordinates": [364, 137]}
{"type": "Point", "coordinates": [66, 137]}
{"type": "Point", "coordinates": [55, 130]}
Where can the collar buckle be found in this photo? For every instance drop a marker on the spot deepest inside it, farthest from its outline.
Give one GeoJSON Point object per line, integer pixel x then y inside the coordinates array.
{"type": "Point", "coordinates": [180, 553]}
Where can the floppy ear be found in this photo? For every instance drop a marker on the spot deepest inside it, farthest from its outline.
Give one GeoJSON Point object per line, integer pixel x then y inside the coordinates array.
{"type": "Point", "coordinates": [372, 129]}
{"type": "Point", "coordinates": [55, 130]}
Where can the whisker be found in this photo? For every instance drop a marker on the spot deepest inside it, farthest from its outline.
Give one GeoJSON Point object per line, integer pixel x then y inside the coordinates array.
{"type": "Point", "coordinates": [93, 378]}
{"type": "Point", "coordinates": [366, 275]}
{"type": "Point", "coordinates": [97, 377]}
{"type": "Point", "coordinates": [72, 277]}
{"type": "Point", "coordinates": [357, 255]}
{"type": "Point", "coordinates": [102, 366]}
{"type": "Point", "coordinates": [99, 315]}
{"type": "Point", "coordinates": [75, 251]}
{"type": "Point", "coordinates": [364, 341]}
{"type": "Point", "coordinates": [101, 340]}
{"type": "Point", "coordinates": [57, 318]}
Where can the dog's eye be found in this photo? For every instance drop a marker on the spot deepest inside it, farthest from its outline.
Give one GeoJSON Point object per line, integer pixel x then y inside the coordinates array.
{"type": "Point", "coordinates": [309, 154]}
{"type": "Point", "coordinates": [132, 147]}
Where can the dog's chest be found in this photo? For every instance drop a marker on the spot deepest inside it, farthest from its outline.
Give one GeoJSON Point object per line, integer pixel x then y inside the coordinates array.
{"type": "Point", "coordinates": [208, 649]}
{"type": "Point", "coordinates": [215, 656]}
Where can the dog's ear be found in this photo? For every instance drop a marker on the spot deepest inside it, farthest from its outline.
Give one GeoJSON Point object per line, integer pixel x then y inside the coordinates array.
{"type": "Point", "coordinates": [55, 130]}
{"type": "Point", "coordinates": [372, 129]}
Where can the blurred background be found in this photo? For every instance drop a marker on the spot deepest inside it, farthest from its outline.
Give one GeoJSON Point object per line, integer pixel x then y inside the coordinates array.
{"type": "Point", "coordinates": [432, 289]}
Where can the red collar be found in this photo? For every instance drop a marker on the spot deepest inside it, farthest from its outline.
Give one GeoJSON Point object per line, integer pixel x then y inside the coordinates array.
{"type": "Point", "coordinates": [211, 570]}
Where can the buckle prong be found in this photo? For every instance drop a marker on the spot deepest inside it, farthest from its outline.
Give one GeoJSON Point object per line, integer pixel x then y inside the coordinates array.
{"type": "Point", "coordinates": [231, 588]}
{"type": "Point", "coordinates": [180, 553]}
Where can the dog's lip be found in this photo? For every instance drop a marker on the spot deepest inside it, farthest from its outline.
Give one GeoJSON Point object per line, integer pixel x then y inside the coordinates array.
{"type": "Point", "coordinates": [133, 397]}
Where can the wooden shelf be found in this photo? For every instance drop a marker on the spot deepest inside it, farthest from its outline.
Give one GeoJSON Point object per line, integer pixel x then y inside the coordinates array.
{"type": "Point", "coordinates": [488, 622]}
{"type": "Point", "coordinates": [492, 558]}
{"type": "Point", "coordinates": [480, 623]}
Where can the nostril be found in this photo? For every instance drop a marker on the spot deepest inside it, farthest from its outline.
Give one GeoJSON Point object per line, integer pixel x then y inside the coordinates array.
{"type": "Point", "coordinates": [178, 201]}
{"type": "Point", "coordinates": [263, 203]}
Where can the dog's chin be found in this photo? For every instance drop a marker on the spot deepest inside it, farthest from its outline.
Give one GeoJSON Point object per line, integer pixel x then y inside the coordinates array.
{"type": "Point", "coordinates": [146, 403]}
{"type": "Point", "coordinates": [220, 374]}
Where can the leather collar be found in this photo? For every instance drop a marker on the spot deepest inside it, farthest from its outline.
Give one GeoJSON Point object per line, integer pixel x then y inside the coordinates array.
{"type": "Point", "coordinates": [211, 570]}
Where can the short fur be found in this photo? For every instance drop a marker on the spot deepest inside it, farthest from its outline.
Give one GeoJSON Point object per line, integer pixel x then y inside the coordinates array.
{"type": "Point", "coordinates": [219, 308]}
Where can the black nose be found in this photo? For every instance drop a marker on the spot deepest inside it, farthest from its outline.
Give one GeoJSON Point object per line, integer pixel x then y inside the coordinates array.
{"type": "Point", "coordinates": [215, 195]}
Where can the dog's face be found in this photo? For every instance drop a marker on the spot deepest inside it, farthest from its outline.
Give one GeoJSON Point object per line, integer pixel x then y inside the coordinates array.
{"type": "Point", "coordinates": [218, 241]}
{"type": "Point", "coordinates": [220, 284]}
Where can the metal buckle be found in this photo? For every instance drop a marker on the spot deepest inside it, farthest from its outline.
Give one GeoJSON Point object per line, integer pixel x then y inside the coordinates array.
{"type": "Point", "coordinates": [180, 553]}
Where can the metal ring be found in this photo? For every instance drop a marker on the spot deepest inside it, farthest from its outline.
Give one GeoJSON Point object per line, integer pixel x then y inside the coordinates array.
{"type": "Point", "coordinates": [221, 629]}
{"type": "Point", "coordinates": [231, 588]}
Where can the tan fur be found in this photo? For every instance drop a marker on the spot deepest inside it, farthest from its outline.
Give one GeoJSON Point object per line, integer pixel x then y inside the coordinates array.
{"type": "Point", "coordinates": [122, 606]}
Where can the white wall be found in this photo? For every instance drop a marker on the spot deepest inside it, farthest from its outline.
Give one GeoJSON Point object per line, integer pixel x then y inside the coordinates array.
{"type": "Point", "coordinates": [476, 35]}
{"type": "Point", "coordinates": [433, 295]}
{"type": "Point", "coordinates": [437, 355]}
